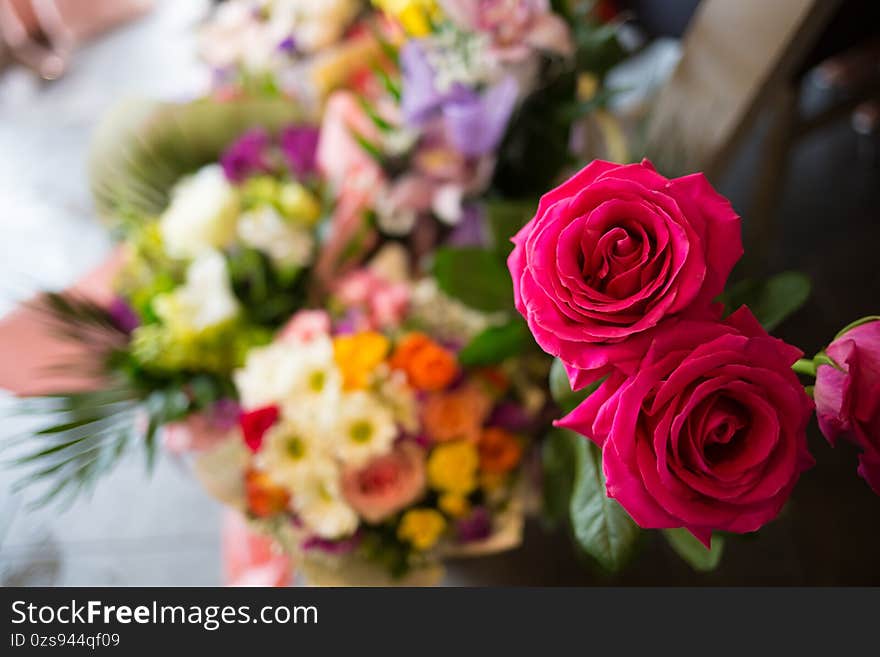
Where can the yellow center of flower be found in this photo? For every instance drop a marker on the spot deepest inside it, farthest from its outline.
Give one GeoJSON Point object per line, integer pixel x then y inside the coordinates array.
{"type": "Point", "coordinates": [296, 448]}
{"type": "Point", "coordinates": [317, 379]}
{"type": "Point", "coordinates": [361, 432]}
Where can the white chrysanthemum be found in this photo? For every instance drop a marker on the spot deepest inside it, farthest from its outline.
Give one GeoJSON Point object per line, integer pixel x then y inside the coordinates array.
{"type": "Point", "coordinates": [266, 230]}
{"type": "Point", "coordinates": [292, 449]}
{"type": "Point", "coordinates": [202, 214]}
{"type": "Point", "coordinates": [301, 377]}
{"type": "Point", "coordinates": [204, 300]}
{"type": "Point", "coordinates": [319, 503]}
{"type": "Point", "coordinates": [365, 427]}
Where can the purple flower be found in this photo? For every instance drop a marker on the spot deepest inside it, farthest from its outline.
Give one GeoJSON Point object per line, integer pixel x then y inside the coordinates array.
{"type": "Point", "coordinates": [123, 315]}
{"type": "Point", "coordinates": [471, 230]}
{"type": "Point", "coordinates": [299, 143]}
{"type": "Point", "coordinates": [246, 156]}
{"type": "Point", "coordinates": [477, 526]}
{"type": "Point", "coordinates": [288, 46]}
{"type": "Point", "coordinates": [420, 97]}
{"type": "Point", "coordinates": [343, 546]}
{"type": "Point", "coordinates": [475, 124]}
{"type": "Point", "coordinates": [510, 416]}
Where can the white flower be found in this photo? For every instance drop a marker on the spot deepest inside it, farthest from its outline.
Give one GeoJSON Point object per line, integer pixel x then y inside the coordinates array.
{"type": "Point", "coordinates": [395, 391]}
{"type": "Point", "coordinates": [365, 428]}
{"type": "Point", "coordinates": [292, 449]}
{"type": "Point", "coordinates": [447, 203]}
{"type": "Point", "coordinates": [202, 214]}
{"type": "Point", "coordinates": [319, 503]}
{"type": "Point", "coordinates": [204, 300]}
{"type": "Point", "coordinates": [266, 230]}
{"type": "Point", "coordinates": [299, 376]}
{"type": "Point", "coordinates": [313, 24]}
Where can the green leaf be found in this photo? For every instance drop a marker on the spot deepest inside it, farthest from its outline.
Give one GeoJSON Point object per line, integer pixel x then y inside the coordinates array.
{"type": "Point", "coordinates": [599, 524]}
{"type": "Point", "coordinates": [496, 344]}
{"type": "Point", "coordinates": [142, 149]}
{"type": "Point", "coordinates": [560, 388]}
{"type": "Point", "coordinates": [772, 301]}
{"type": "Point", "coordinates": [693, 552]}
{"type": "Point", "coordinates": [558, 455]}
{"type": "Point", "coordinates": [475, 277]}
{"type": "Point", "coordinates": [505, 219]}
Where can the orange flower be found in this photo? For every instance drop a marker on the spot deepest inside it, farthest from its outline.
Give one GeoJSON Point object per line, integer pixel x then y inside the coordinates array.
{"type": "Point", "coordinates": [456, 415]}
{"type": "Point", "coordinates": [264, 497]}
{"type": "Point", "coordinates": [357, 356]}
{"type": "Point", "coordinates": [494, 379]}
{"type": "Point", "coordinates": [428, 366]}
{"type": "Point", "coordinates": [500, 451]}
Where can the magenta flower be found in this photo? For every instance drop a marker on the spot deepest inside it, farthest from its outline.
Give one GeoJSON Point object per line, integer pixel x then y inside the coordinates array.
{"type": "Point", "coordinates": [848, 396]}
{"type": "Point", "coordinates": [476, 526]}
{"type": "Point", "coordinates": [614, 251]}
{"type": "Point", "coordinates": [299, 143]}
{"type": "Point", "coordinates": [246, 156]}
{"type": "Point", "coordinates": [708, 433]}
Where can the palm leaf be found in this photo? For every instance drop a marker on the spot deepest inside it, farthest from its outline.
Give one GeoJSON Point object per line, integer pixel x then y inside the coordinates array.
{"type": "Point", "coordinates": [142, 149]}
{"type": "Point", "coordinates": [88, 434]}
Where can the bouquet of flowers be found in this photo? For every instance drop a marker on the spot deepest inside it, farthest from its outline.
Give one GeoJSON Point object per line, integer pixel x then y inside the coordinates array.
{"type": "Point", "coordinates": [366, 444]}
{"type": "Point", "coordinates": [208, 268]}
{"type": "Point", "coordinates": [469, 100]}
{"type": "Point", "coordinates": [301, 49]}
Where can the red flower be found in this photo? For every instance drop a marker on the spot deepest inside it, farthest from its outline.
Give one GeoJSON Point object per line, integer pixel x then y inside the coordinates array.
{"type": "Point", "coordinates": [254, 424]}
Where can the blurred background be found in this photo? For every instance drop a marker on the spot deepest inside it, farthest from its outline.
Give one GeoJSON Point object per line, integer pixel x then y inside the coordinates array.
{"type": "Point", "coordinates": [790, 131]}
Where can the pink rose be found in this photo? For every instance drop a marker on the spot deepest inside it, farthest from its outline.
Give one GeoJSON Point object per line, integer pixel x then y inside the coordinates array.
{"type": "Point", "coordinates": [611, 253]}
{"type": "Point", "coordinates": [710, 432]}
{"type": "Point", "coordinates": [384, 303]}
{"type": "Point", "coordinates": [848, 396]}
{"type": "Point", "coordinates": [305, 326]}
{"type": "Point", "coordinates": [387, 484]}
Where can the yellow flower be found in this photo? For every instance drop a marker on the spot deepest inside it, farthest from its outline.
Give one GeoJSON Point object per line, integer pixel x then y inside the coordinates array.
{"type": "Point", "coordinates": [492, 481]}
{"type": "Point", "coordinates": [415, 16]}
{"type": "Point", "coordinates": [452, 467]}
{"type": "Point", "coordinates": [454, 505]}
{"type": "Point", "coordinates": [421, 528]}
{"type": "Point", "coordinates": [299, 204]}
{"type": "Point", "coordinates": [358, 355]}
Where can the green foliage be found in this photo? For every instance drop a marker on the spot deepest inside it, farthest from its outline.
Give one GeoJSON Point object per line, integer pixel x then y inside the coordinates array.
{"type": "Point", "coordinates": [475, 277]}
{"type": "Point", "coordinates": [693, 552]}
{"type": "Point", "coordinates": [560, 388]}
{"type": "Point", "coordinates": [496, 344]}
{"type": "Point", "coordinates": [771, 301]}
{"type": "Point", "coordinates": [165, 353]}
{"type": "Point", "coordinates": [574, 490]}
{"type": "Point", "coordinates": [142, 149]}
{"type": "Point", "coordinates": [535, 149]}
{"type": "Point", "coordinates": [89, 433]}
{"type": "Point", "coordinates": [269, 295]}
{"type": "Point", "coordinates": [505, 218]}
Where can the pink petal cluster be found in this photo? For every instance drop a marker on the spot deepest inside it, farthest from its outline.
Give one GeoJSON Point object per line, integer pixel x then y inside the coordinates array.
{"type": "Point", "coordinates": [387, 484]}
{"type": "Point", "coordinates": [612, 253]}
{"type": "Point", "coordinates": [848, 396]}
{"type": "Point", "coordinates": [709, 434]}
